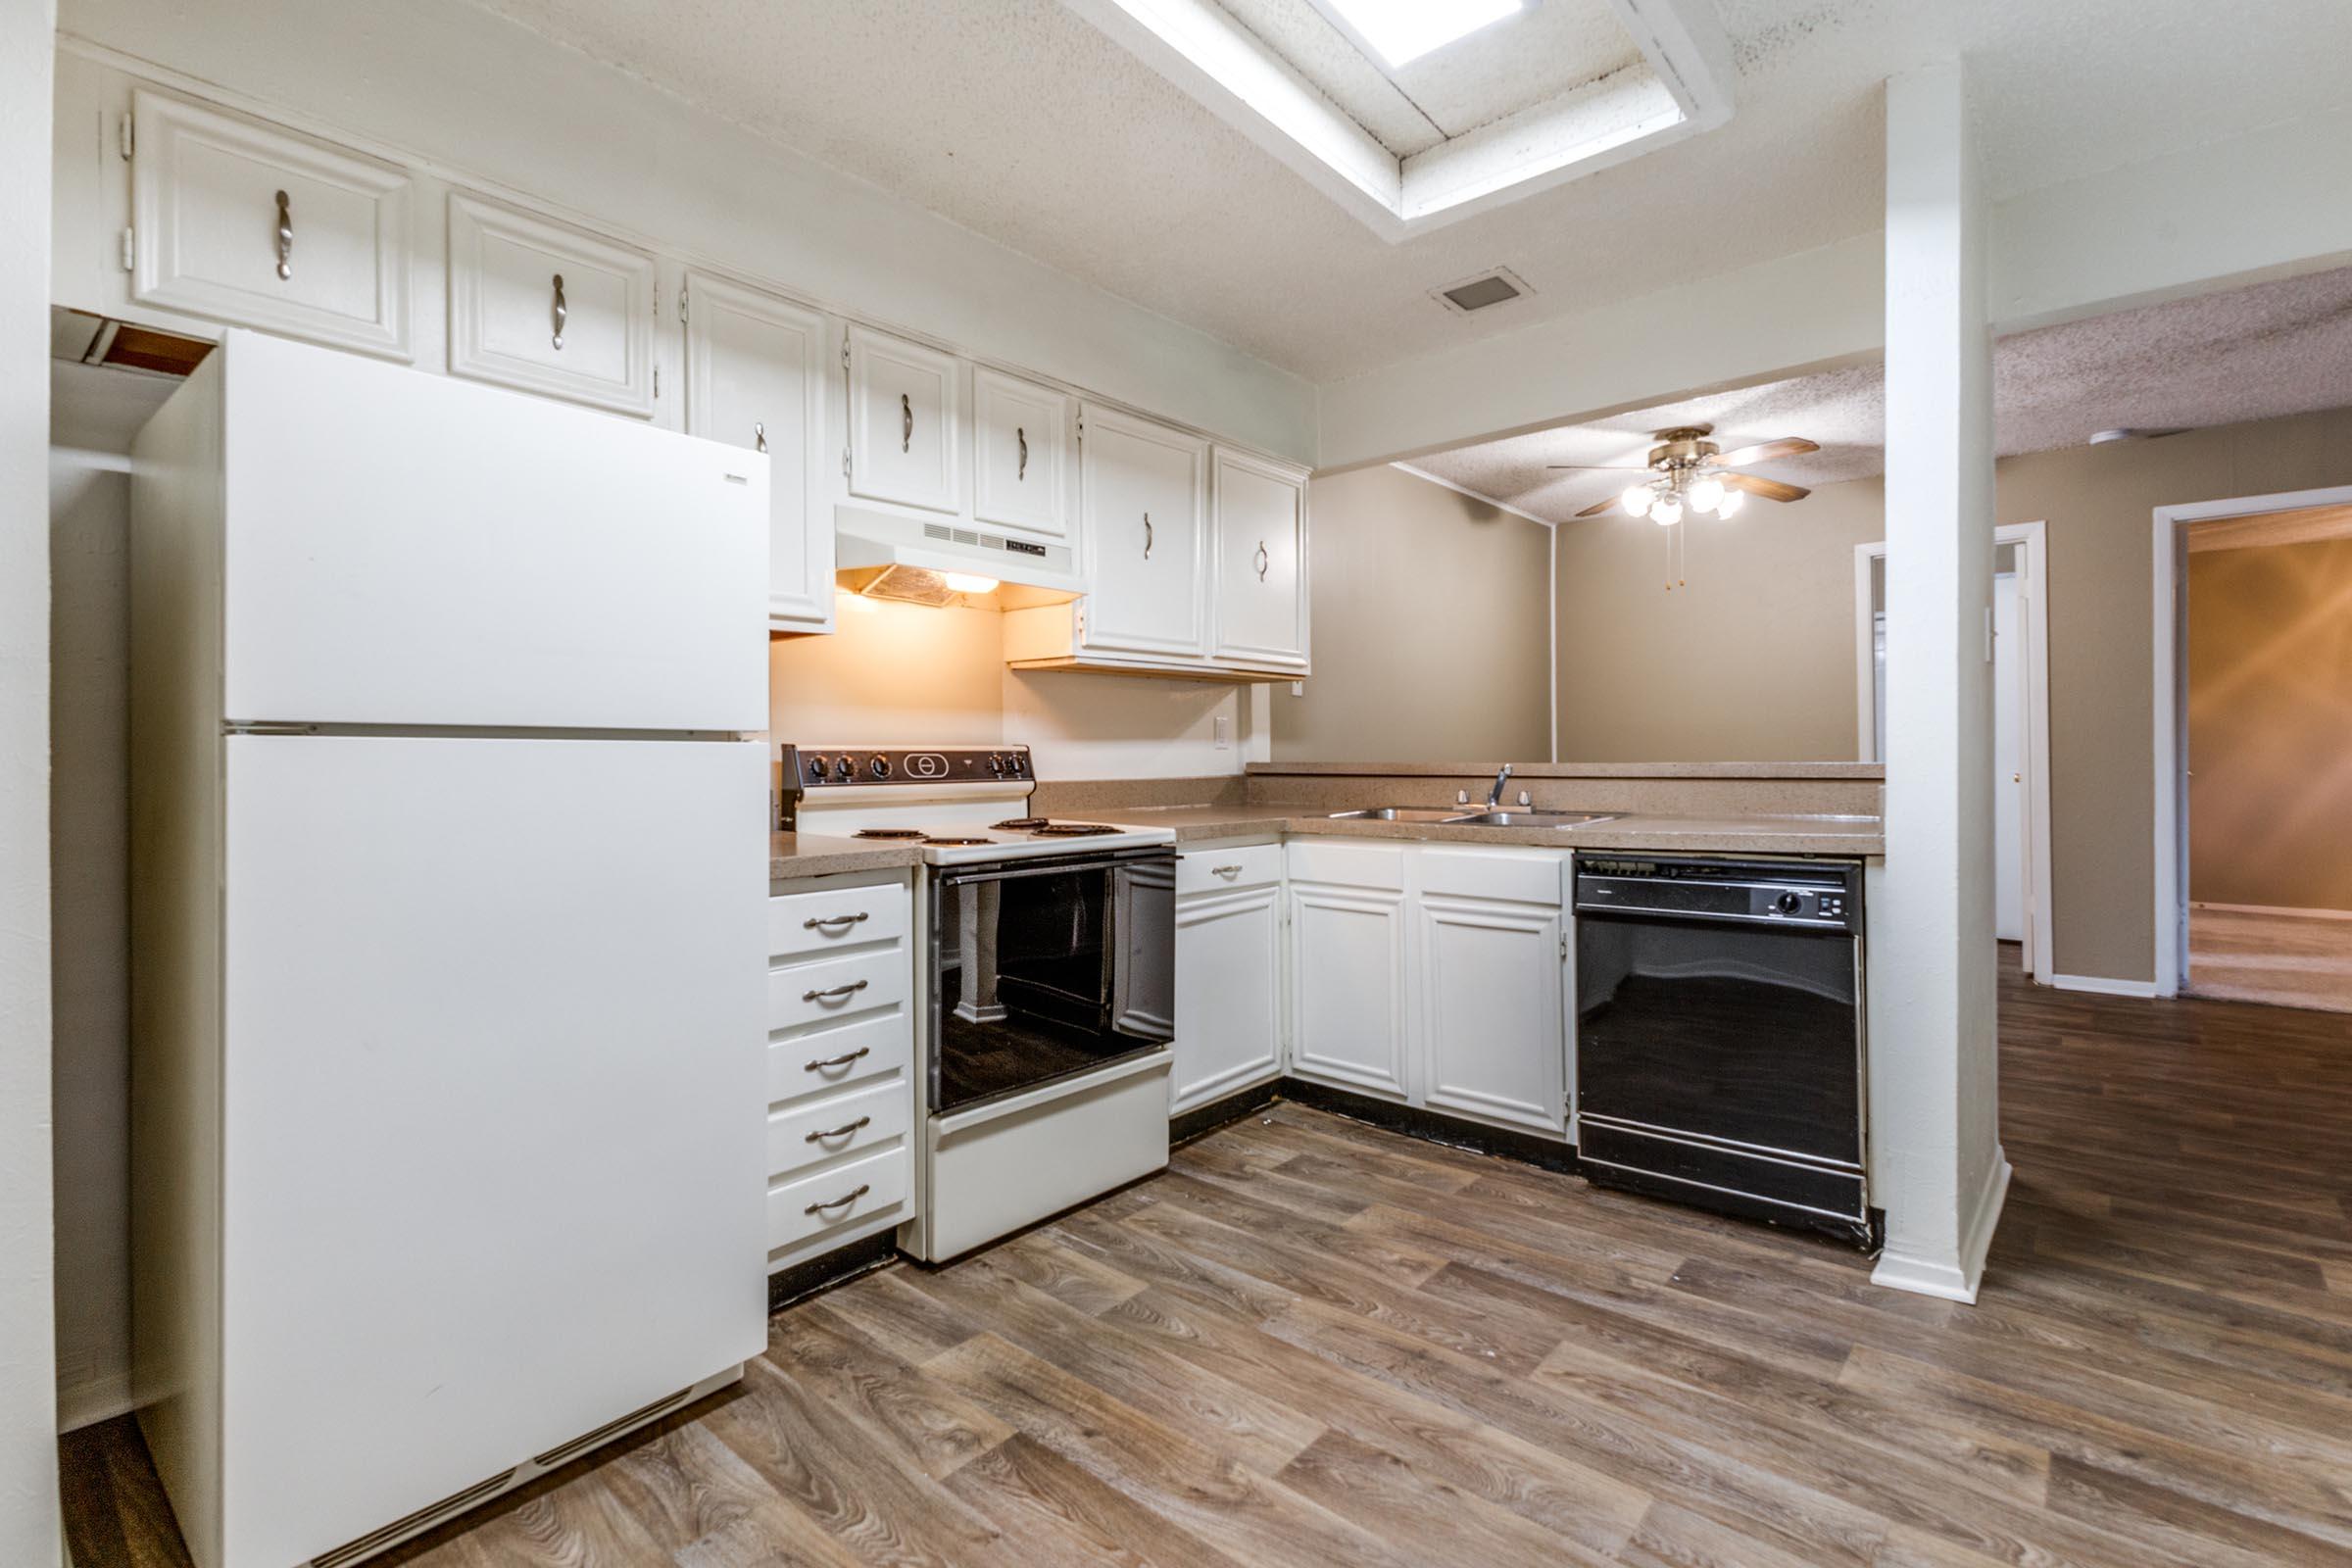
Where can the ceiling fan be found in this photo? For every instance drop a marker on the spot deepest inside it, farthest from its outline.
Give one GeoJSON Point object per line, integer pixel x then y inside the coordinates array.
{"type": "Point", "coordinates": [1695, 475]}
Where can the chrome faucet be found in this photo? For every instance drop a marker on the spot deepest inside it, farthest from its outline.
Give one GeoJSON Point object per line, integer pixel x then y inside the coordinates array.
{"type": "Point", "coordinates": [1495, 795]}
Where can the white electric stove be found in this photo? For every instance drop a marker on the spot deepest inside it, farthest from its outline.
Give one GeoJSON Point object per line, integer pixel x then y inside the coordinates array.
{"type": "Point", "coordinates": [1045, 987]}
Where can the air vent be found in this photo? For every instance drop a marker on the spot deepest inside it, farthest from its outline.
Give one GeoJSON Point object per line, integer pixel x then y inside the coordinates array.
{"type": "Point", "coordinates": [423, 1518]}
{"type": "Point", "coordinates": [1486, 290]}
{"type": "Point", "coordinates": [939, 531]}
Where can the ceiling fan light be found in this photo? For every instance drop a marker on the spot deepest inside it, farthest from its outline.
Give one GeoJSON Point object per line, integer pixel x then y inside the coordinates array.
{"type": "Point", "coordinates": [1733, 499]}
{"type": "Point", "coordinates": [1667, 513]}
{"type": "Point", "coordinates": [1637, 500]}
{"type": "Point", "coordinates": [1707, 494]}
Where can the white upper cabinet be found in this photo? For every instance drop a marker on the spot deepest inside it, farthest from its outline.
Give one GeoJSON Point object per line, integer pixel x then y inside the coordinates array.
{"type": "Point", "coordinates": [1145, 508]}
{"type": "Point", "coordinates": [1260, 563]}
{"type": "Point", "coordinates": [906, 416]}
{"type": "Point", "coordinates": [244, 223]}
{"type": "Point", "coordinates": [1019, 441]}
{"type": "Point", "coordinates": [544, 307]}
{"type": "Point", "coordinates": [755, 377]}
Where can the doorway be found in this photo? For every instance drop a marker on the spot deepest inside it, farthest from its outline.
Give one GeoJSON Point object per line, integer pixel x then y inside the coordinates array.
{"type": "Point", "coordinates": [2253, 759]}
{"type": "Point", "coordinates": [2020, 761]}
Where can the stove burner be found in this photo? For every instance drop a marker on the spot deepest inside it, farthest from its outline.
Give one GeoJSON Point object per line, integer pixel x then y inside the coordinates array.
{"type": "Point", "coordinates": [887, 833]}
{"type": "Point", "coordinates": [1072, 830]}
{"type": "Point", "coordinates": [948, 843]}
{"type": "Point", "coordinates": [1022, 825]}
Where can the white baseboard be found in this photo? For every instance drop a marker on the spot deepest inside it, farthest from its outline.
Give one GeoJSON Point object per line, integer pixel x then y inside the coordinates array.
{"type": "Point", "coordinates": [2100, 984]}
{"type": "Point", "coordinates": [94, 1400]}
{"type": "Point", "coordinates": [1954, 1279]}
{"type": "Point", "coordinates": [2281, 910]}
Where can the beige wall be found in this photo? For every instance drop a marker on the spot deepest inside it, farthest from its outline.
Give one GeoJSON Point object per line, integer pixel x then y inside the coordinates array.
{"type": "Point", "coordinates": [1431, 632]}
{"type": "Point", "coordinates": [2270, 725]}
{"type": "Point", "coordinates": [1757, 661]}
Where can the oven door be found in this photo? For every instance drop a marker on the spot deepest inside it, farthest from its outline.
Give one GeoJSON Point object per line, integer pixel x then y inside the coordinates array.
{"type": "Point", "coordinates": [1044, 969]}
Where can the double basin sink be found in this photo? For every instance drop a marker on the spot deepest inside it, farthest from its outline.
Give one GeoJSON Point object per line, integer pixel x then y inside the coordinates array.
{"type": "Point", "coordinates": [1461, 816]}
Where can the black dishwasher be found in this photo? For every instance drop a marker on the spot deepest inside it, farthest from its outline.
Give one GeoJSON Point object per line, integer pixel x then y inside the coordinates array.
{"type": "Point", "coordinates": [1719, 1056]}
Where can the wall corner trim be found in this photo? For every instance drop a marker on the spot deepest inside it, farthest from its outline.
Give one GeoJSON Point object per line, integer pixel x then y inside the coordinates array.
{"type": "Point", "coordinates": [1954, 1281]}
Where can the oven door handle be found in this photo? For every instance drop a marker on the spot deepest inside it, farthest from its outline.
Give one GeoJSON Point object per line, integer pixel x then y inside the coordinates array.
{"type": "Point", "coordinates": [1055, 866]}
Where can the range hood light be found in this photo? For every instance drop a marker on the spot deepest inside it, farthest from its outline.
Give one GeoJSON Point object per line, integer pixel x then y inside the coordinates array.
{"type": "Point", "coordinates": [964, 582]}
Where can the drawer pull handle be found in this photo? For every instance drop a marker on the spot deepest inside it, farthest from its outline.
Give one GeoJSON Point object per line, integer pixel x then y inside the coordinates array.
{"type": "Point", "coordinates": [842, 1060]}
{"type": "Point", "coordinates": [561, 311]}
{"type": "Point", "coordinates": [905, 423]}
{"type": "Point", "coordinates": [1022, 436]}
{"type": "Point", "coordinates": [863, 1188]}
{"type": "Point", "coordinates": [285, 237]}
{"type": "Point", "coordinates": [1228, 872]}
{"type": "Point", "coordinates": [1264, 560]}
{"type": "Point", "coordinates": [842, 1130]}
{"type": "Point", "coordinates": [758, 437]}
{"type": "Point", "coordinates": [834, 993]}
{"type": "Point", "coordinates": [812, 924]}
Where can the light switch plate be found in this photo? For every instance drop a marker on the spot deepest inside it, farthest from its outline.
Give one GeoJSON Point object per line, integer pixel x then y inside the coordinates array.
{"type": "Point", "coordinates": [1220, 729]}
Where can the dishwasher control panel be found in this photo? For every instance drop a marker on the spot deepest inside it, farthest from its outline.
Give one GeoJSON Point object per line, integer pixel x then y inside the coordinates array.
{"type": "Point", "coordinates": [1824, 896]}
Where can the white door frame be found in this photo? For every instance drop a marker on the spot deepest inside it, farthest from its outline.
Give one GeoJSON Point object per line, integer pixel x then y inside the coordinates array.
{"type": "Point", "coordinates": [2170, 627]}
{"type": "Point", "coordinates": [2031, 538]}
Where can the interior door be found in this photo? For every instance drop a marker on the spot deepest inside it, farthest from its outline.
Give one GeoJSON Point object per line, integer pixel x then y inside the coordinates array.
{"type": "Point", "coordinates": [494, 1109]}
{"type": "Point", "coordinates": [755, 367]}
{"type": "Point", "coordinates": [412, 550]}
{"type": "Point", "coordinates": [1261, 535]}
{"type": "Point", "coordinates": [2008, 761]}
{"type": "Point", "coordinates": [1145, 507]}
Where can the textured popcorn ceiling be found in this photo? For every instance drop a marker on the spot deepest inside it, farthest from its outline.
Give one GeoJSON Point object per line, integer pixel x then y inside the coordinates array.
{"type": "Point", "coordinates": [2251, 353]}
{"type": "Point", "coordinates": [1021, 120]}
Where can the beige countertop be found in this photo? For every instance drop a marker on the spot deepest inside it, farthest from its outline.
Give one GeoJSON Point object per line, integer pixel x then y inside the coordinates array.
{"type": "Point", "coordinates": [1846, 770]}
{"type": "Point", "coordinates": [1742, 834]}
{"type": "Point", "coordinates": [797, 854]}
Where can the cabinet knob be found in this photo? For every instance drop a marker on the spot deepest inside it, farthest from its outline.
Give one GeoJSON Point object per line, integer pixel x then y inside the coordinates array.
{"type": "Point", "coordinates": [560, 310]}
{"type": "Point", "coordinates": [285, 236]}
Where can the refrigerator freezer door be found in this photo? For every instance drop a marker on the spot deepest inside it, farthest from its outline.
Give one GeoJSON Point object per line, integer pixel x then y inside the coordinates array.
{"type": "Point", "coordinates": [493, 1109]}
{"type": "Point", "coordinates": [412, 550]}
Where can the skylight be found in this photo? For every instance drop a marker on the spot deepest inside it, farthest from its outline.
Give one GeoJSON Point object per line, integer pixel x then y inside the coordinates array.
{"type": "Point", "coordinates": [1402, 30]}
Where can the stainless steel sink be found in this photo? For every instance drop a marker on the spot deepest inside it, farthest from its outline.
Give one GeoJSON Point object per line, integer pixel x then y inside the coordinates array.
{"type": "Point", "coordinates": [1401, 814]}
{"type": "Point", "coordinates": [1530, 818]}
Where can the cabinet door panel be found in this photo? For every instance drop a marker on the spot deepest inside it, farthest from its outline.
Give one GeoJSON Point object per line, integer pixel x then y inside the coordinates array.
{"type": "Point", "coordinates": [1020, 436]}
{"type": "Point", "coordinates": [1145, 508]}
{"type": "Point", "coordinates": [330, 266]}
{"type": "Point", "coordinates": [544, 307]}
{"type": "Point", "coordinates": [1348, 955]}
{"type": "Point", "coordinates": [1262, 580]}
{"type": "Point", "coordinates": [755, 368]}
{"type": "Point", "coordinates": [904, 420]}
{"type": "Point", "coordinates": [1228, 994]}
{"type": "Point", "coordinates": [1490, 1006]}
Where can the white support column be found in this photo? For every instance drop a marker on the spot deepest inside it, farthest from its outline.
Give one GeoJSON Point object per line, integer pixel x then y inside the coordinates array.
{"type": "Point", "coordinates": [1936, 1156]}
{"type": "Point", "coordinates": [28, 1504]}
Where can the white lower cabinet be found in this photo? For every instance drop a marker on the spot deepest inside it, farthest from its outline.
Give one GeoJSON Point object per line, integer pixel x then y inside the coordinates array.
{"type": "Point", "coordinates": [840, 1063]}
{"type": "Point", "coordinates": [1431, 974]}
{"type": "Point", "coordinates": [1228, 974]}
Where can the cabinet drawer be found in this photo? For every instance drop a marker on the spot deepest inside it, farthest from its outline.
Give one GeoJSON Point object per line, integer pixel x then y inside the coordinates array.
{"type": "Point", "coordinates": [544, 307]}
{"type": "Point", "coordinates": [1017, 445]}
{"type": "Point", "coordinates": [876, 1045]}
{"type": "Point", "coordinates": [837, 988]}
{"type": "Point", "coordinates": [854, 1123]}
{"type": "Point", "coordinates": [244, 223]}
{"type": "Point", "coordinates": [1523, 876]}
{"type": "Point", "coordinates": [1346, 863]}
{"type": "Point", "coordinates": [1221, 870]}
{"type": "Point", "coordinates": [906, 416]}
{"type": "Point", "coordinates": [837, 1198]}
{"type": "Point", "coordinates": [800, 924]}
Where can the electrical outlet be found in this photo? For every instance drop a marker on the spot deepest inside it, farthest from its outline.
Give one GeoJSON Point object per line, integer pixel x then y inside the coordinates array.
{"type": "Point", "coordinates": [1220, 729]}
{"type": "Point", "coordinates": [1298, 688]}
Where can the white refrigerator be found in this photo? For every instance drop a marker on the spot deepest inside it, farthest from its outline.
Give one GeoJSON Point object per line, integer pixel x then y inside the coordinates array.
{"type": "Point", "coordinates": [448, 941]}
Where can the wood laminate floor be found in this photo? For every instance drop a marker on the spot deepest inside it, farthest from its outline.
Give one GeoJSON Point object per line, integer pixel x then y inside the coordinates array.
{"type": "Point", "coordinates": [2296, 960]}
{"type": "Point", "coordinates": [1312, 1343]}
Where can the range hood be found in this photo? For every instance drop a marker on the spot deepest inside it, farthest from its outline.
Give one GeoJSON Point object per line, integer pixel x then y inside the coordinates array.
{"type": "Point", "coordinates": [884, 555]}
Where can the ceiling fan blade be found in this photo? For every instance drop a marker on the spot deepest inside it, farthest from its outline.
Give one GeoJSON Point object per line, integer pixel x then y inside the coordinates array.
{"type": "Point", "coordinates": [1597, 507]}
{"type": "Point", "coordinates": [1602, 467]}
{"type": "Point", "coordinates": [1768, 489]}
{"type": "Point", "coordinates": [1765, 451]}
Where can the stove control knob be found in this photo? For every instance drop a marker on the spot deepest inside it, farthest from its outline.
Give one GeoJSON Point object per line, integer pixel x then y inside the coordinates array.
{"type": "Point", "coordinates": [996, 765]}
{"type": "Point", "coordinates": [817, 768]}
{"type": "Point", "coordinates": [879, 766]}
{"type": "Point", "coordinates": [844, 768]}
{"type": "Point", "coordinates": [1012, 765]}
{"type": "Point", "coordinates": [1787, 904]}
